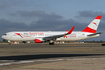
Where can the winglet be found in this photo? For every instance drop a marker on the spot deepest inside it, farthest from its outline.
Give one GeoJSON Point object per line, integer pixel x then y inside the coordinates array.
{"type": "Point", "coordinates": [71, 30]}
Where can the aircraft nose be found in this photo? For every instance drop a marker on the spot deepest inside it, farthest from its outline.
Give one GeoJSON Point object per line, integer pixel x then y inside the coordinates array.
{"type": "Point", "coordinates": [3, 37]}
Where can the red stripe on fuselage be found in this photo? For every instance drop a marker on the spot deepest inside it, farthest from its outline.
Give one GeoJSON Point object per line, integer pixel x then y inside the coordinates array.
{"type": "Point", "coordinates": [87, 29]}
{"type": "Point", "coordinates": [19, 34]}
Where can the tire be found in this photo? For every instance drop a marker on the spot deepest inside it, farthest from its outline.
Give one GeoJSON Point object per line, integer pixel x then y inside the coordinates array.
{"type": "Point", "coordinates": [51, 43]}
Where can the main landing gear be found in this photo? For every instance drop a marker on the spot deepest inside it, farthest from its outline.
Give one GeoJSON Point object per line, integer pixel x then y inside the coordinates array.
{"type": "Point", "coordinates": [51, 42]}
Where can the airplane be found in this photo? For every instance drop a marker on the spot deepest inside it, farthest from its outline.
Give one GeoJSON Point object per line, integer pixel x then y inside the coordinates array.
{"type": "Point", "coordinates": [52, 36]}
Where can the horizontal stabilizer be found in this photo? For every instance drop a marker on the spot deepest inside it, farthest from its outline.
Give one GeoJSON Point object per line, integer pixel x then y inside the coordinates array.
{"type": "Point", "coordinates": [94, 34]}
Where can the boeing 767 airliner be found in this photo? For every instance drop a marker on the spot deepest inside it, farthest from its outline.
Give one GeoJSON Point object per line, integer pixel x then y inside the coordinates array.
{"type": "Point", "coordinates": [52, 36]}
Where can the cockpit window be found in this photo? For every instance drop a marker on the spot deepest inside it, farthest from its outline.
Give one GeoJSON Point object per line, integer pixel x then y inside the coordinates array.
{"type": "Point", "coordinates": [5, 34]}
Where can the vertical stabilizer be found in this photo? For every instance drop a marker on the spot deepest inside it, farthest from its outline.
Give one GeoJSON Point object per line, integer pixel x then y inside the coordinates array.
{"type": "Point", "coordinates": [92, 27]}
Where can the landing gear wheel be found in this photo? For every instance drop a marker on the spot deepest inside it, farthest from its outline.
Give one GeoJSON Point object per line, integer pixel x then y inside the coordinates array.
{"type": "Point", "coordinates": [51, 43]}
{"type": "Point", "coordinates": [24, 42]}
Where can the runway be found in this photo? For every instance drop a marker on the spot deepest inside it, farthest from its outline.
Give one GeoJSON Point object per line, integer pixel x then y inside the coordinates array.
{"type": "Point", "coordinates": [52, 57]}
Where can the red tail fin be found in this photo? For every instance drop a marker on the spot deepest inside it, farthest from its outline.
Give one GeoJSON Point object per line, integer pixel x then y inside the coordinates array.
{"type": "Point", "coordinates": [92, 27]}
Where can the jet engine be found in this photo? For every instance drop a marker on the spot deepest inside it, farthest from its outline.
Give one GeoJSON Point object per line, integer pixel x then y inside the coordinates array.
{"type": "Point", "coordinates": [39, 40]}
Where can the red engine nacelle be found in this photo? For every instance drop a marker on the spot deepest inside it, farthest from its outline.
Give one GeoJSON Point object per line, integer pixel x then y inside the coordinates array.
{"type": "Point", "coordinates": [38, 40]}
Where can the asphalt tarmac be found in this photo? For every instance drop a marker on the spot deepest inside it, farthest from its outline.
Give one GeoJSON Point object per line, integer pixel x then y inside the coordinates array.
{"type": "Point", "coordinates": [52, 57]}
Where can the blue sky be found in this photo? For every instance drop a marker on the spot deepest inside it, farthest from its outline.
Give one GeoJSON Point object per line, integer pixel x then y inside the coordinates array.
{"type": "Point", "coordinates": [53, 15]}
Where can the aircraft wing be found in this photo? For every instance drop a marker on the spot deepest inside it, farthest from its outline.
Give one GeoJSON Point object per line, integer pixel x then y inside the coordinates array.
{"type": "Point", "coordinates": [54, 37]}
{"type": "Point", "coordinates": [94, 34]}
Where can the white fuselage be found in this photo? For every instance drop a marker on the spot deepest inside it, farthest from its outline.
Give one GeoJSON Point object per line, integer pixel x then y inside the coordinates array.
{"type": "Point", "coordinates": [51, 36]}
{"type": "Point", "coordinates": [32, 35]}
